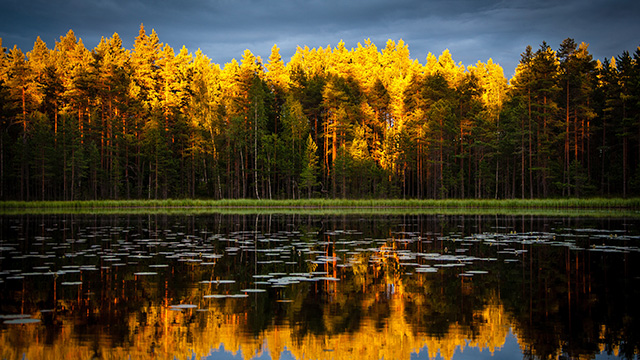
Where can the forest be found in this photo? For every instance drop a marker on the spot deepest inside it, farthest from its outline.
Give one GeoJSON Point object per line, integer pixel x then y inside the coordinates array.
{"type": "Point", "coordinates": [150, 123]}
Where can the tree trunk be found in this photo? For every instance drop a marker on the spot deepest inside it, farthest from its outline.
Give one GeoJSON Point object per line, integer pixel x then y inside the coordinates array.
{"type": "Point", "coordinates": [255, 148]}
{"type": "Point", "coordinates": [73, 175]}
{"type": "Point", "coordinates": [567, 175]}
{"type": "Point", "coordinates": [522, 170]}
{"type": "Point", "coordinates": [441, 175]}
{"type": "Point", "coordinates": [42, 171]}
{"type": "Point", "coordinates": [530, 152]}
{"type": "Point", "coordinates": [1, 166]}
{"type": "Point", "coordinates": [462, 195]}
{"type": "Point", "coordinates": [625, 142]}
{"type": "Point", "coordinates": [244, 186]}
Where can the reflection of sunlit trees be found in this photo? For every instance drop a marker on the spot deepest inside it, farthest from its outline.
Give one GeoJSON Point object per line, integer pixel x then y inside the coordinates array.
{"type": "Point", "coordinates": [360, 267]}
{"type": "Point", "coordinates": [389, 265]}
{"type": "Point", "coordinates": [360, 315]}
{"type": "Point", "coordinates": [164, 333]}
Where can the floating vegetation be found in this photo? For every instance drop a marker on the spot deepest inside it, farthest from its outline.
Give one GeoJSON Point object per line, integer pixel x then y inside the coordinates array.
{"type": "Point", "coordinates": [215, 296]}
{"type": "Point", "coordinates": [222, 263]}
{"type": "Point", "coordinates": [14, 316]}
{"type": "Point", "coordinates": [183, 306]}
{"type": "Point", "coordinates": [71, 283]}
{"type": "Point", "coordinates": [218, 282]}
{"type": "Point", "coordinates": [266, 276]}
{"type": "Point", "coordinates": [22, 321]}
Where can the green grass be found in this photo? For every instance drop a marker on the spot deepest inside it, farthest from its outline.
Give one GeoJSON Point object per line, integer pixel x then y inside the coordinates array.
{"type": "Point", "coordinates": [591, 203]}
{"type": "Point", "coordinates": [335, 211]}
{"type": "Point", "coordinates": [602, 206]}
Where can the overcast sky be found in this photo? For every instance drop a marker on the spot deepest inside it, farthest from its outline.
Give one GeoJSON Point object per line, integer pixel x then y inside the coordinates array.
{"type": "Point", "coordinates": [472, 30]}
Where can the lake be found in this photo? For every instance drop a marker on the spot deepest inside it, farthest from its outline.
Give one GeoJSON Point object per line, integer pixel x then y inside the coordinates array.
{"type": "Point", "coordinates": [299, 286]}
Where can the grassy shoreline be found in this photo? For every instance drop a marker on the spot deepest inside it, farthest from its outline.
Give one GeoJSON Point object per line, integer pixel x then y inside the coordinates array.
{"type": "Point", "coordinates": [595, 207]}
{"type": "Point", "coordinates": [388, 211]}
{"type": "Point", "coordinates": [590, 203]}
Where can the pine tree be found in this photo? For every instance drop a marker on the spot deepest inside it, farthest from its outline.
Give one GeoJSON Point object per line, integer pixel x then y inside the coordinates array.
{"type": "Point", "coordinates": [308, 177]}
{"type": "Point", "coordinates": [576, 79]}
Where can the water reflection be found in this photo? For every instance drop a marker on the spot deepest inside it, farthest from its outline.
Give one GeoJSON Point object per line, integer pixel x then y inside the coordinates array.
{"type": "Point", "coordinates": [317, 287]}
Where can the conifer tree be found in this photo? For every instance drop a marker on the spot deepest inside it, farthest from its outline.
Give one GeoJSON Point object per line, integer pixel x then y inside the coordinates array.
{"type": "Point", "coordinates": [308, 177]}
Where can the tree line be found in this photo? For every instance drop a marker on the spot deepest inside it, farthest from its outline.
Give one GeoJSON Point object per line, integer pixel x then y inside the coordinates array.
{"type": "Point", "coordinates": [112, 123]}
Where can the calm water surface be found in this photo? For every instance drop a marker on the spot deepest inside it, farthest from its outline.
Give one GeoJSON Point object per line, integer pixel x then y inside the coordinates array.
{"type": "Point", "coordinates": [318, 287]}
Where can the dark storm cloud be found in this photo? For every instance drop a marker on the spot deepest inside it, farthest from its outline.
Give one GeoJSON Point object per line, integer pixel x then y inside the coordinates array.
{"type": "Point", "coordinates": [471, 29]}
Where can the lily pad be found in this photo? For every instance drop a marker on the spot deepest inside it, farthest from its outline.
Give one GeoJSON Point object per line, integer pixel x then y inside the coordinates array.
{"type": "Point", "coordinates": [183, 306]}
{"type": "Point", "coordinates": [215, 296]}
{"type": "Point", "coordinates": [22, 321]}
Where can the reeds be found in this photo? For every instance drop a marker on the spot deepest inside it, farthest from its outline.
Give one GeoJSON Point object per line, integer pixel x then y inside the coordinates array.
{"type": "Point", "coordinates": [327, 211]}
{"type": "Point", "coordinates": [591, 203]}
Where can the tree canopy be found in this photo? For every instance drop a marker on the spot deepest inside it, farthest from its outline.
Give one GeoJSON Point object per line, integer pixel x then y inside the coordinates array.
{"type": "Point", "coordinates": [151, 122]}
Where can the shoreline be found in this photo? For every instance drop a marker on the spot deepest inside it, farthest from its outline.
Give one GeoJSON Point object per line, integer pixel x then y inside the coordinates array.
{"type": "Point", "coordinates": [553, 207]}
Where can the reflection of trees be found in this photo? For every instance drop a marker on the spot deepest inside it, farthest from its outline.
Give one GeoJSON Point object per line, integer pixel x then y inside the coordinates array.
{"type": "Point", "coordinates": [169, 333]}
{"type": "Point", "coordinates": [576, 303]}
{"type": "Point", "coordinates": [559, 302]}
